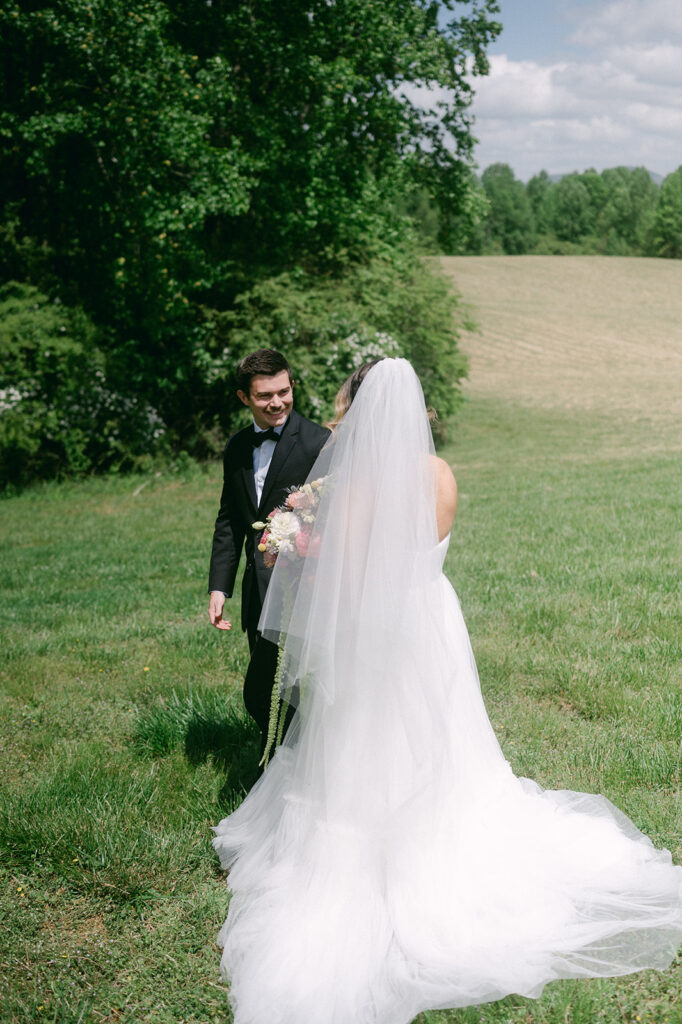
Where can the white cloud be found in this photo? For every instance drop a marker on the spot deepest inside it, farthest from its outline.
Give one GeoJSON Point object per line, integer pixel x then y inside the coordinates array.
{"type": "Point", "coordinates": [657, 64]}
{"type": "Point", "coordinates": [639, 20]}
{"type": "Point", "coordinates": [655, 120]}
{"type": "Point", "coordinates": [615, 102]}
{"type": "Point", "coordinates": [521, 89]}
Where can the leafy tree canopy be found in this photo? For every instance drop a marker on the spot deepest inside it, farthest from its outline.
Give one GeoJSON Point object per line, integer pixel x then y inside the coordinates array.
{"type": "Point", "coordinates": [618, 211]}
{"type": "Point", "coordinates": [145, 139]}
{"type": "Point", "coordinates": [669, 217]}
{"type": "Point", "coordinates": [510, 217]}
{"type": "Point", "coordinates": [160, 158]}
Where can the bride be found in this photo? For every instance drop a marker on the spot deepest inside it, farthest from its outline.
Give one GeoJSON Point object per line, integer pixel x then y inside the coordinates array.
{"type": "Point", "coordinates": [389, 861]}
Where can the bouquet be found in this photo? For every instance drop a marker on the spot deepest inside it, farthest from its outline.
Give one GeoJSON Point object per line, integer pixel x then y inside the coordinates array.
{"type": "Point", "coordinates": [288, 529]}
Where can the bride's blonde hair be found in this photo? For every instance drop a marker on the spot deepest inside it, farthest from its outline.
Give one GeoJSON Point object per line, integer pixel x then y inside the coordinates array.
{"type": "Point", "coordinates": [349, 389]}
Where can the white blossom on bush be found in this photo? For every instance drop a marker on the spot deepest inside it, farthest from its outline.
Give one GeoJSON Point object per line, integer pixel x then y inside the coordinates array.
{"type": "Point", "coordinates": [10, 397]}
{"type": "Point", "coordinates": [359, 347]}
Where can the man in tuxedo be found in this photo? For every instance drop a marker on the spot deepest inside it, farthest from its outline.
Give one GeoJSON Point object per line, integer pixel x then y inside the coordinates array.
{"type": "Point", "coordinates": [261, 463]}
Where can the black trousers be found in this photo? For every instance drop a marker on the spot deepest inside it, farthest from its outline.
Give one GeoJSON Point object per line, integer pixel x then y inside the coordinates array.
{"type": "Point", "coordinates": [258, 682]}
{"type": "Point", "coordinates": [260, 675]}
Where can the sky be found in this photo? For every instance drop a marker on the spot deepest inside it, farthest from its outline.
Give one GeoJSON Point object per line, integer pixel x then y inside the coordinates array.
{"type": "Point", "coordinates": [582, 83]}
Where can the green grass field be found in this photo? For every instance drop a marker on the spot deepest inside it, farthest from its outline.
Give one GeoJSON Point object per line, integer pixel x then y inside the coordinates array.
{"type": "Point", "coordinates": [123, 737]}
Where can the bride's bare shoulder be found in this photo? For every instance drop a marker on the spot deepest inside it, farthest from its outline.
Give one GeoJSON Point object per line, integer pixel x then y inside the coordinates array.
{"type": "Point", "coordinates": [446, 495]}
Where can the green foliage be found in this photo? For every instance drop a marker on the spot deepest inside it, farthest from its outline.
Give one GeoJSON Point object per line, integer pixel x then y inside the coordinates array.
{"type": "Point", "coordinates": [58, 413]}
{"type": "Point", "coordinates": [599, 186]}
{"type": "Point", "coordinates": [539, 190]}
{"type": "Point", "coordinates": [455, 228]}
{"type": "Point", "coordinates": [396, 305]}
{"type": "Point", "coordinates": [628, 211]}
{"type": "Point", "coordinates": [509, 222]}
{"type": "Point", "coordinates": [612, 212]}
{"type": "Point", "coordinates": [160, 159]}
{"type": "Point", "coordinates": [619, 212]}
{"type": "Point", "coordinates": [572, 213]}
{"type": "Point", "coordinates": [425, 215]}
{"type": "Point", "coordinates": [668, 226]}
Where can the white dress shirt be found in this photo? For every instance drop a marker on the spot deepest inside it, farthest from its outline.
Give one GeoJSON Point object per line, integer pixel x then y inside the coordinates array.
{"type": "Point", "coordinates": [262, 457]}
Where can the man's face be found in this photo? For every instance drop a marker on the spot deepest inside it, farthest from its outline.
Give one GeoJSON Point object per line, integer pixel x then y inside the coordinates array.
{"type": "Point", "coordinates": [270, 399]}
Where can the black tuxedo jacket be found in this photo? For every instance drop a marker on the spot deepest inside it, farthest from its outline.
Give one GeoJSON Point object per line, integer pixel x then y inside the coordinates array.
{"type": "Point", "coordinates": [298, 447]}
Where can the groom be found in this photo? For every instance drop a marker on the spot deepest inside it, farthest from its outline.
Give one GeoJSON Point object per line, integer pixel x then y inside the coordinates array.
{"type": "Point", "coordinates": [261, 463]}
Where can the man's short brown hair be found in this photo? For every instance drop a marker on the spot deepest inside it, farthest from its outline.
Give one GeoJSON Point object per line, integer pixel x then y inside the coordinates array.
{"type": "Point", "coordinates": [264, 362]}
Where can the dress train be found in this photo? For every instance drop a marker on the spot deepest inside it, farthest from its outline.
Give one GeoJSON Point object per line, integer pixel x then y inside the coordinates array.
{"type": "Point", "coordinates": [389, 861]}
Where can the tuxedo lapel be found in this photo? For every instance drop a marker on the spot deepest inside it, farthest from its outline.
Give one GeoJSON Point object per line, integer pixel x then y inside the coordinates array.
{"type": "Point", "coordinates": [282, 451]}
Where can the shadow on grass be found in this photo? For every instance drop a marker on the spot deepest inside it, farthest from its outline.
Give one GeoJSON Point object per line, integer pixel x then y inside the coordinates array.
{"type": "Point", "coordinates": [207, 726]}
{"type": "Point", "coordinates": [233, 744]}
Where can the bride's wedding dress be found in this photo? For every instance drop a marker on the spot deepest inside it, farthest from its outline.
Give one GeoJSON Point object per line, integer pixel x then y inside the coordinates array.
{"type": "Point", "coordinates": [389, 861]}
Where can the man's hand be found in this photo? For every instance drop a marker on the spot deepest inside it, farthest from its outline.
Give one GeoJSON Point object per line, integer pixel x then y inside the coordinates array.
{"type": "Point", "coordinates": [215, 611]}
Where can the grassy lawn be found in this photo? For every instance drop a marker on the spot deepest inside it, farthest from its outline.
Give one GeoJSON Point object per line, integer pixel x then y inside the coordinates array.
{"type": "Point", "coordinates": [123, 737]}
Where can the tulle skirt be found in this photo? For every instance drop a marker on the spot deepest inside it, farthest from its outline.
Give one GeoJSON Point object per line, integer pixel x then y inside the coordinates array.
{"type": "Point", "coordinates": [389, 861]}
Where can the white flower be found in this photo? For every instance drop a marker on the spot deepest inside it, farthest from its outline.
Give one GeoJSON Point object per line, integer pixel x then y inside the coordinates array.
{"type": "Point", "coordinates": [9, 397]}
{"type": "Point", "coordinates": [283, 527]}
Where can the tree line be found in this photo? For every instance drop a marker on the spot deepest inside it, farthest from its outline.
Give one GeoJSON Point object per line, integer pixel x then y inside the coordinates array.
{"type": "Point", "coordinates": [618, 212]}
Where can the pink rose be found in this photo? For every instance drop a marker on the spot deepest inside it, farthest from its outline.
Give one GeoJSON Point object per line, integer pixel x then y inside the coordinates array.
{"type": "Point", "coordinates": [294, 499]}
{"type": "Point", "coordinates": [300, 499]}
{"type": "Point", "coordinates": [302, 541]}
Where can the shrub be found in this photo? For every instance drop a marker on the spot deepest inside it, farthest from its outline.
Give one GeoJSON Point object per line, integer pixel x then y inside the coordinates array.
{"type": "Point", "coordinates": [59, 413]}
{"type": "Point", "coordinates": [398, 305]}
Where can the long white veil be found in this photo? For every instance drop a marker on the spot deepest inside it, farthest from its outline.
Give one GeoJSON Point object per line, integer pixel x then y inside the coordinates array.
{"type": "Point", "coordinates": [344, 607]}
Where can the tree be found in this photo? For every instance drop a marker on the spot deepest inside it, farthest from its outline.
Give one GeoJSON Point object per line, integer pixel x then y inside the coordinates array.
{"type": "Point", "coordinates": [668, 227]}
{"type": "Point", "coordinates": [539, 190]}
{"type": "Point", "coordinates": [629, 209]}
{"type": "Point", "coordinates": [572, 215]}
{"type": "Point", "coordinates": [114, 167]}
{"type": "Point", "coordinates": [510, 218]}
{"type": "Point", "coordinates": [161, 158]}
{"type": "Point", "coordinates": [598, 186]}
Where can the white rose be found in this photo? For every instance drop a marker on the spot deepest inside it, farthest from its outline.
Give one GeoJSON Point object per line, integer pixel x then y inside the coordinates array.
{"type": "Point", "coordinates": [284, 526]}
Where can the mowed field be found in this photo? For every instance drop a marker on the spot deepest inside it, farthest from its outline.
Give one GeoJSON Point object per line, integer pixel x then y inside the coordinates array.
{"type": "Point", "coordinates": [585, 335]}
{"type": "Point", "coordinates": [122, 735]}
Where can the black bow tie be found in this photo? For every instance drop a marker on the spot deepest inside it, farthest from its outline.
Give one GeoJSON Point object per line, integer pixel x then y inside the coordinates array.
{"type": "Point", "coordinates": [258, 436]}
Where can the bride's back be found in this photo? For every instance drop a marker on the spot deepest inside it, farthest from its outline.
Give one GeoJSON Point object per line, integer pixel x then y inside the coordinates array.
{"type": "Point", "coordinates": [446, 497]}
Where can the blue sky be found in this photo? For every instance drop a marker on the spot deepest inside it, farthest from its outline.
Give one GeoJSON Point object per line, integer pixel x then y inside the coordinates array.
{"type": "Point", "coordinates": [583, 83]}
{"type": "Point", "coordinates": [534, 28]}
